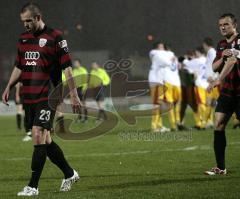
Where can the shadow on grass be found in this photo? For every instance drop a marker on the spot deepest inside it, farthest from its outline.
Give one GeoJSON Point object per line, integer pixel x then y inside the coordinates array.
{"type": "Point", "coordinates": [162, 182]}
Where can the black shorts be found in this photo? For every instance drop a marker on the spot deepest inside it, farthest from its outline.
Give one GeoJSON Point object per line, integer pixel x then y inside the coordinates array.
{"type": "Point", "coordinates": [82, 94]}
{"type": "Point", "coordinates": [39, 114]}
{"type": "Point", "coordinates": [228, 105]}
{"type": "Point", "coordinates": [99, 93]}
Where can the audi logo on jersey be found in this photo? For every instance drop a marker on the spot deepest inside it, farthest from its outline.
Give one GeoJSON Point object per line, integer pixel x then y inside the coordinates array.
{"type": "Point", "coordinates": [32, 55]}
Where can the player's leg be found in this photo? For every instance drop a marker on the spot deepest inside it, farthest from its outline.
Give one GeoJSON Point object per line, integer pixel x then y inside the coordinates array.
{"type": "Point", "coordinates": [38, 161]}
{"type": "Point", "coordinates": [19, 115]}
{"type": "Point", "coordinates": [202, 93]}
{"type": "Point", "coordinates": [39, 115]}
{"type": "Point", "coordinates": [155, 115]}
{"type": "Point", "coordinates": [85, 111]}
{"type": "Point", "coordinates": [169, 98]}
{"type": "Point", "coordinates": [83, 115]}
{"type": "Point", "coordinates": [178, 100]}
{"type": "Point", "coordinates": [80, 95]}
{"type": "Point", "coordinates": [27, 127]}
{"type": "Point", "coordinates": [161, 101]}
{"type": "Point", "coordinates": [223, 113]}
{"type": "Point", "coordinates": [209, 110]}
{"type": "Point", "coordinates": [39, 155]}
{"type": "Point", "coordinates": [192, 101]}
{"type": "Point", "coordinates": [56, 155]}
{"type": "Point", "coordinates": [99, 97]}
{"type": "Point", "coordinates": [183, 107]}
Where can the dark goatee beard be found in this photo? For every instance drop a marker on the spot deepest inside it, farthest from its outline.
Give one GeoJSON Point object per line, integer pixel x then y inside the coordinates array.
{"type": "Point", "coordinates": [229, 36]}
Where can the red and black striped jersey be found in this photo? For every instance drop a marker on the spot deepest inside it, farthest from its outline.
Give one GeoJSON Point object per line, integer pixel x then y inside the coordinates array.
{"type": "Point", "coordinates": [41, 56]}
{"type": "Point", "coordinates": [231, 85]}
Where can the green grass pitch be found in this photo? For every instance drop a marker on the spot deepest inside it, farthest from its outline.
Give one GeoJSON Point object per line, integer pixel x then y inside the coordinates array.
{"type": "Point", "coordinates": [120, 164]}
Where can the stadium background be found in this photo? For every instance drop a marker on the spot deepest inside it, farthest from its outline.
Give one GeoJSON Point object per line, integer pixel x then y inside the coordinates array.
{"type": "Point", "coordinates": [107, 29]}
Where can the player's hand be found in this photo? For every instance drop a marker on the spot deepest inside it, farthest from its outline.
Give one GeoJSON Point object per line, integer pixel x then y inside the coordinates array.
{"type": "Point", "coordinates": [210, 80]}
{"type": "Point", "coordinates": [231, 60]}
{"type": "Point", "coordinates": [235, 52]}
{"type": "Point", "coordinates": [76, 104]}
{"type": "Point", "coordinates": [227, 53]}
{"type": "Point", "coordinates": [5, 96]}
{"type": "Point", "coordinates": [213, 84]}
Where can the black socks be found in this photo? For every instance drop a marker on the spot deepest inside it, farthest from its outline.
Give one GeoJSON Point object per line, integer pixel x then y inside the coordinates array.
{"type": "Point", "coordinates": [38, 161]}
{"type": "Point", "coordinates": [19, 121]}
{"type": "Point", "coordinates": [219, 148]}
{"type": "Point", "coordinates": [102, 114]}
{"type": "Point", "coordinates": [56, 155]}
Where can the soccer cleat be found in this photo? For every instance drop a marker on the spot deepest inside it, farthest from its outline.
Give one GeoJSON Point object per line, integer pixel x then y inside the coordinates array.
{"type": "Point", "coordinates": [67, 183]}
{"type": "Point", "coordinates": [28, 191]}
{"type": "Point", "coordinates": [181, 127]}
{"type": "Point", "coordinates": [164, 129]}
{"type": "Point", "coordinates": [27, 138]}
{"type": "Point", "coordinates": [216, 171]}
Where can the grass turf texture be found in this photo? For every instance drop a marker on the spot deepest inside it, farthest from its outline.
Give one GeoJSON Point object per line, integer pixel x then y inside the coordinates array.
{"type": "Point", "coordinates": [118, 165]}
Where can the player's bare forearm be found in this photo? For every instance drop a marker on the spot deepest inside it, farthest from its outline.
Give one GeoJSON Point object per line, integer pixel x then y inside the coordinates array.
{"type": "Point", "coordinates": [72, 89]}
{"type": "Point", "coordinates": [70, 81]}
{"type": "Point", "coordinates": [12, 81]}
{"type": "Point", "coordinates": [217, 64]}
{"type": "Point", "coordinates": [227, 68]}
{"type": "Point", "coordinates": [16, 73]}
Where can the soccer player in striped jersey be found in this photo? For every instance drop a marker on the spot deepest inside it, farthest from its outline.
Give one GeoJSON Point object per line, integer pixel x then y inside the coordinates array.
{"type": "Point", "coordinates": [229, 99]}
{"type": "Point", "coordinates": [42, 54]}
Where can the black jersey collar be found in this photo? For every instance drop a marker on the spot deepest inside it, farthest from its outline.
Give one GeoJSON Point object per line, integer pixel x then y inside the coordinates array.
{"type": "Point", "coordinates": [39, 32]}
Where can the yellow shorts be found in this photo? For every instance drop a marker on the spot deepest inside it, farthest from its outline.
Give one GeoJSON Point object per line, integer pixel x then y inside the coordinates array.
{"type": "Point", "coordinates": [201, 95]}
{"type": "Point", "coordinates": [157, 93]}
{"type": "Point", "coordinates": [173, 93]}
{"type": "Point", "coordinates": [214, 94]}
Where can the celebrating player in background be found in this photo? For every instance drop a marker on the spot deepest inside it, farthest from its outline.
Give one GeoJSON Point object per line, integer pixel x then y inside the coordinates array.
{"type": "Point", "coordinates": [211, 76]}
{"type": "Point", "coordinates": [99, 79]}
{"type": "Point", "coordinates": [159, 60]}
{"type": "Point", "coordinates": [229, 99]}
{"type": "Point", "coordinates": [41, 51]}
{"type": "Point", "coordinates": [173, 92]}
{"type": "Point", "coordinates": [201, 85]}
{"type": "Point", "coordinates": [196, 66]}
{"type": "Point", "coordinates": [187, 89]}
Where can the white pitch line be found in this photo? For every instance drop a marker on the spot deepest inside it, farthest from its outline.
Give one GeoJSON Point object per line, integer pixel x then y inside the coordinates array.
{"type": "Point", "coordinates": [186, 149]}
{"type": "Point", "coordinates": [191, 148]}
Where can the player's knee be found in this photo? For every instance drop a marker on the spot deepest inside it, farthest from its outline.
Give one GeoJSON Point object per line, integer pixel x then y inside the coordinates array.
{"type": "Point", "coordinates": [37, 135]}
{"type": "Point", "coordinates": [219, 125]}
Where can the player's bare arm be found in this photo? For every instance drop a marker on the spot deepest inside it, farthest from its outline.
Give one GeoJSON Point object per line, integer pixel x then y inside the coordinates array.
{"type": "Point", "coordinates": [217, 64]}
{"type": "Point", "coordinates": [225, 71]}
{"type": "Point", "coordinates": [16, 73]}
{"type": "Point", "coordinates": [72, 87]}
